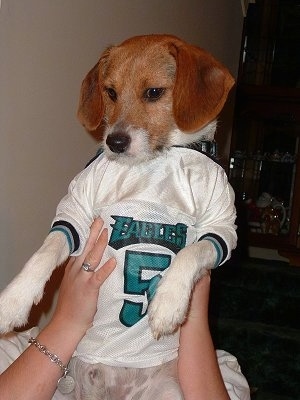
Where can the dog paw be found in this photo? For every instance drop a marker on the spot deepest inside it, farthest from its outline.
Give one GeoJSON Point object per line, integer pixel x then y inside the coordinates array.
{"type": "Point", "coordinates": [11, 313]}
{"type": "Point", "coordinates": [167, 310]}
{"type": "Point", "coordinates": [15, 306]}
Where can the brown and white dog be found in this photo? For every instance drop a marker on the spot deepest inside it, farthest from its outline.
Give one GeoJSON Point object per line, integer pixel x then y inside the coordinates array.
{"type": "Point", "coordinates": [146, 96]}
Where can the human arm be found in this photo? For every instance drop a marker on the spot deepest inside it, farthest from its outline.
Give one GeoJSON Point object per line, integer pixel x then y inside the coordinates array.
{"type": "Point", "coordinates": [33, 376]}
{"type": "Point", "coordinates": [198, 369]}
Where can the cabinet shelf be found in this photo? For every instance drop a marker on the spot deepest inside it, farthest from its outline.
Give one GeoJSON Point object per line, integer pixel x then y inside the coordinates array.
{"type": "Point", "coordinates": [268, 240]}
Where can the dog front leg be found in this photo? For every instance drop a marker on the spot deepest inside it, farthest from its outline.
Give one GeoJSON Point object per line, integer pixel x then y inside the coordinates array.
{"type": "Point", "coordinates": [169, 306]}
{"type": "Point", "coordinates": [27, 287]}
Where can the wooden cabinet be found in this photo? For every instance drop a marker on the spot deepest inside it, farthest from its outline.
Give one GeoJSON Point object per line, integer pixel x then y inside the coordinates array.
{"type": "Point", "coordinates": [264, 165]}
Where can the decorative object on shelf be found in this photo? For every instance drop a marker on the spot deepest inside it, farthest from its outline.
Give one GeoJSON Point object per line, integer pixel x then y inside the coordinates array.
{"type": "Point", "coordinates": [270, 220]}
{"type": "Point", "coordinates": [267, 215]}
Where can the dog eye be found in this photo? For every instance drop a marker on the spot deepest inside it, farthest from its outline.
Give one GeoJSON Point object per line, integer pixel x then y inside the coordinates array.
{"type": "Point", "coordinates": [153, 94]}
{"type": "Point", "coordinates": [112, 94]}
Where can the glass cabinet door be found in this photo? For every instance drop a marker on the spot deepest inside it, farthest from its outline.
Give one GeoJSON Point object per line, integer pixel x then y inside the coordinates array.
{"type": "Point", "coordinates": [264, 165]}
{"type": "Point", "coordinates": [262, 171]}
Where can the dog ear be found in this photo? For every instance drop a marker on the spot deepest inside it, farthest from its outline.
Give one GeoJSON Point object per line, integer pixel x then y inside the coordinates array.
{"type": "Point", "coordinates": [91, 106]}
{"type": "Point", "coordinates": [201, 87]}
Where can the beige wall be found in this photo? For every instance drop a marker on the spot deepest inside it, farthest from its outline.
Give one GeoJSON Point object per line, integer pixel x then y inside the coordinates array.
{"type": "Point", "coordinates": [46, 47]}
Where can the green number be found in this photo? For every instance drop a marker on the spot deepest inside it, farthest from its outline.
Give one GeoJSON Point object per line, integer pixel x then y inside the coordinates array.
{"type": "Point", "coordinates": [134, 284]}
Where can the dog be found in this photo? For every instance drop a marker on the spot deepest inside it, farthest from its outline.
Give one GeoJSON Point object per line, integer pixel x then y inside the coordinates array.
{"type": "Point", "coordinates": [169, 210]}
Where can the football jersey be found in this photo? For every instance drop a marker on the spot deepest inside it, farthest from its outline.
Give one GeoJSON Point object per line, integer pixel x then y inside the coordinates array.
{"type": "Point", "coordinates": [152, 210]}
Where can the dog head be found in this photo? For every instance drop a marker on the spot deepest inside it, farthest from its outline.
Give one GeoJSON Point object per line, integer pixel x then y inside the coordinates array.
{"type": "Point", "coordinates": [150, 93]}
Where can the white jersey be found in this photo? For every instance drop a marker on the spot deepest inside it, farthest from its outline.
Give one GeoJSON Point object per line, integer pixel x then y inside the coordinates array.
{"type": "Point", "coordinates": [13, 345]}
{"type": "Point", "coordinates": [152, 210]}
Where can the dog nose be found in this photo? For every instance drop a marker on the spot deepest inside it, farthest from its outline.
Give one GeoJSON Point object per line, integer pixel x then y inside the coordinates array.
{"type": "Point", "coordinates": [118, 142]}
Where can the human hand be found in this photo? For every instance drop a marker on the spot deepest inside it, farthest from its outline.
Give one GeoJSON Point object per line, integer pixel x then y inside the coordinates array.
{"type": "Point", "coordinates": [78, 295]}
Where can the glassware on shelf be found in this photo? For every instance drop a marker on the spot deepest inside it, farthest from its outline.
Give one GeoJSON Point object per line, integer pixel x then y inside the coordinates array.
{"type": "Point", "coordinates": [264, 182]}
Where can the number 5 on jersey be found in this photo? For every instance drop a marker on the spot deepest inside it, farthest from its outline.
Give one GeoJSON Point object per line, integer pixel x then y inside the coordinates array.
{"type": "Point", "coordinates": [136, 265]}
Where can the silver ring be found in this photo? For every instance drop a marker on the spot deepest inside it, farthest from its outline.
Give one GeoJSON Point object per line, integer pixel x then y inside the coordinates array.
{"type": "Point", "coordinates": [87, 267]}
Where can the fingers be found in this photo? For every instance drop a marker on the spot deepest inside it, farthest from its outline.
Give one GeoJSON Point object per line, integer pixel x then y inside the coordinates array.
{"type": "Point", "coordinates": [87, 255]}
{"type": "Point", "coordinates": [93, 236]}
{"type": "Point", "coordinates": [102, 274]}
{"type": "Point", "coordinates": [94, 256]}
{"type": "Point", "coordinates": [94, 249]}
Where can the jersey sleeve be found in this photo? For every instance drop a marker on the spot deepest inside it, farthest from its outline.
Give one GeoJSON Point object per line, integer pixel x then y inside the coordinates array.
{"type": "Point", "coordinates": [216, 222]}
{"type": "Point", "coordinates": [75, 212]}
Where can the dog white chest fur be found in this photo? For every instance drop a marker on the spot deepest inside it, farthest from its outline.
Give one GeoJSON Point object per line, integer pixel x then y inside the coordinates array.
{"type": "Point", "coordinates": [143, 97]}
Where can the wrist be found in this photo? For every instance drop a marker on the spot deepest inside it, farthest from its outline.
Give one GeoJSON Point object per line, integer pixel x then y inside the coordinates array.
{"type": "Point", "coordinates": [61, 337]}
{"type": "Point", "coordinates": [67, 328]}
